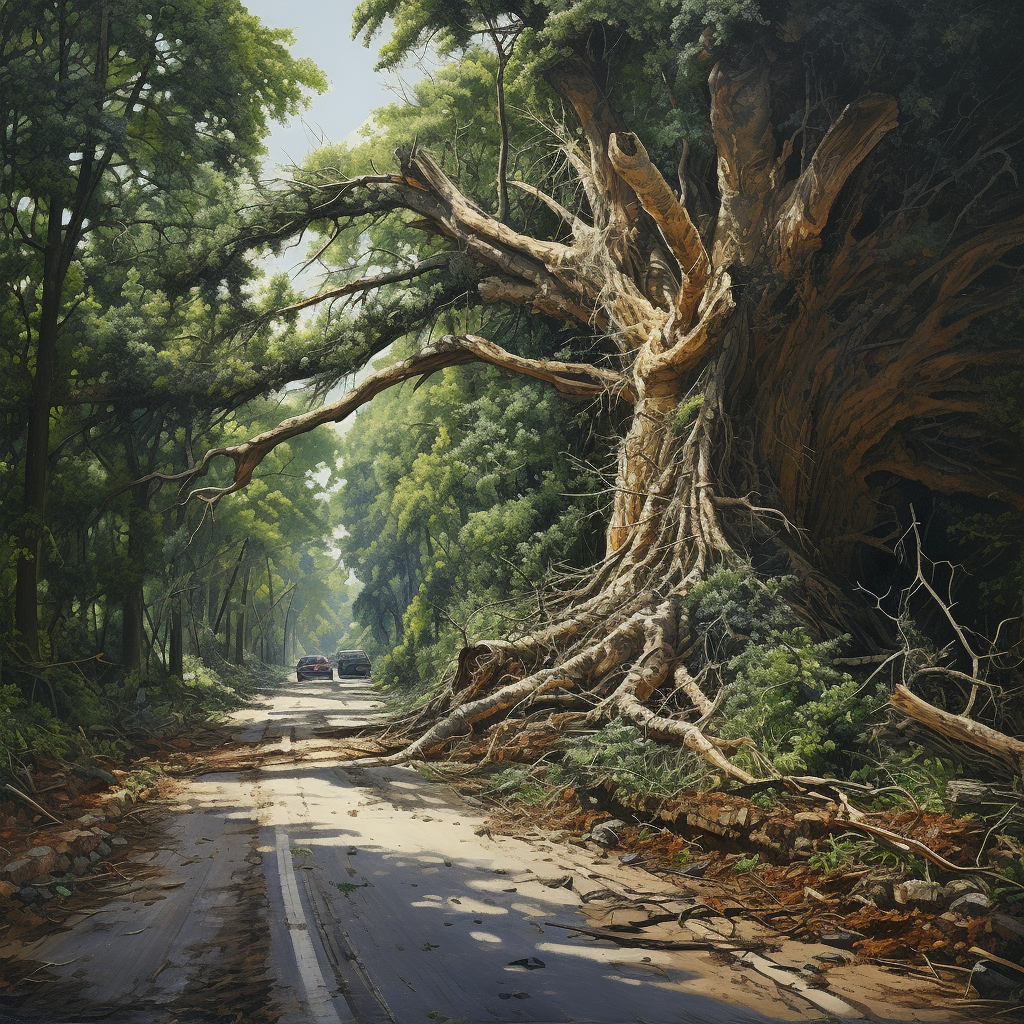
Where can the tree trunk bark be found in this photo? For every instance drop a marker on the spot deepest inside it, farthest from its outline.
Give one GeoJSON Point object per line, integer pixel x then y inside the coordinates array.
{"type": "Point", "coordinates": [242, 610]}
{"type": "Point", "coordinates": [176, 659]}
{"type": "Point", "coordinates": [133, 599]}
{"type": "Point", "coordinates": [37, 446]}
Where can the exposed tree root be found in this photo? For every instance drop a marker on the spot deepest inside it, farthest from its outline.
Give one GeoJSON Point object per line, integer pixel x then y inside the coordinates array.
{"type": "Point", "coordinates": [783, 318]}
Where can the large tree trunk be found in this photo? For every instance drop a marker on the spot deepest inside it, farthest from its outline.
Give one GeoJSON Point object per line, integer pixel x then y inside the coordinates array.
{"type": "Point", "coordinates": [802, 368]}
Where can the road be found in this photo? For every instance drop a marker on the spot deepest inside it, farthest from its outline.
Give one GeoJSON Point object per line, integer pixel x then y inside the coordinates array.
{"type": "Point", "coordinates": [305, 891]}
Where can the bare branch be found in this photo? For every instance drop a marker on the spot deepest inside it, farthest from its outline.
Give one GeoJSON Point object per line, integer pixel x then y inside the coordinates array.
{"type": "Point", "coordinates": [580, 380]}
{"type": "Point", "coordinates": [630, 159]}
{"type": "Point", "coordinates": [365, 284]}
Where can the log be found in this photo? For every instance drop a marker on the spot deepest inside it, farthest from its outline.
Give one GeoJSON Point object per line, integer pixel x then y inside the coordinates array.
{"type": "Point", "coordinates": [1008, 750]}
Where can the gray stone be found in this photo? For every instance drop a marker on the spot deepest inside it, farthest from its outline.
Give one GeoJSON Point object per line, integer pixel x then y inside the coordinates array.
{"type": "Point", "coordinates": [120, 841]}
{"type": "Point", "coordinates": [973, 904]}
{"type": "Point", "coordinates": [27, 894]}
{"type": "Point", "coordinates": [80, 866]}
{"type": "Point", "coordinates": [832, 958]}
{"type": "Point", "coordinates": [696, 869]}
{"type": "Point", "coordinates": [606, 833]}
{"type": "Point", "coordinates": [841, 940]}
{"type": "Point", "coordinates": [959, 887]}
{"type": "Point", "coordinates": [94, 857]}
{"type": "Point", "coordinates": [63, 863]}
{"type": "Point", "coordinates": [103, 850]}
{"type": "Point", "coordinates": [20, 870]}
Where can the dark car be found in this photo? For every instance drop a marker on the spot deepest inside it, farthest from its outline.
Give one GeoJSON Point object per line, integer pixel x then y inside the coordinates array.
{"type": "Point", "coordinates": [313, 666]}
{"type": "Point", "coordinates": [353, 663]}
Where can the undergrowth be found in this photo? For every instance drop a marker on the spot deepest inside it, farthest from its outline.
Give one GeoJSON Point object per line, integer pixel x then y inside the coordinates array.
{"type": "Point", "coordinates": [79, 714]}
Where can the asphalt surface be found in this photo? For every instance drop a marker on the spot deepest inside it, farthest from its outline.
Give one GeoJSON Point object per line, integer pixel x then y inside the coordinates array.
{"type": "Point", "coordinates": [310, 892]}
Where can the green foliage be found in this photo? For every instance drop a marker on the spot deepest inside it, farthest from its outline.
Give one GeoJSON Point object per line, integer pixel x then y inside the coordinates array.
{"type": "Point", "coordinates": [804, 714]}
{"type": "Point", "coordinates": [621, 756]}
{"type": "Point", "coordinates": [454, 504]}
{"type": "Point", "coordinates": [747, 863]}
{"type": "Point", "coordinates": [782, 691]}
{"type": "Point", "coordinates": [26, 729]}
{"type": "Point", "coordinates": [686, 413]}
{"type": "Point", "coordinates": [525, 785]}
{"type": "Point", "coordinates": [926, 777]}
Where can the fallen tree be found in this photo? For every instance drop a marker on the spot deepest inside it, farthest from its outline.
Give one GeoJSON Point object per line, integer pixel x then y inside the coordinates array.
{"type": "Point", "coordinates": [791, 331]}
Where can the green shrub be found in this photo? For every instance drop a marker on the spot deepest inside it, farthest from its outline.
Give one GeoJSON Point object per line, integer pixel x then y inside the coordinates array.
{"type": "Point", "coordinates": [804, 715]}
{"type": "Point", "coordinates": [620, 755]}
{"type": "Point", "coordinates": [782, 690]}
{"type": "Point", "coordinates": [27, 729]}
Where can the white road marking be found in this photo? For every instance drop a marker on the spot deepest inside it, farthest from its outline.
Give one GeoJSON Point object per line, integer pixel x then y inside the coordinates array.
{"type": "Point", "coordinates": [318, 998]}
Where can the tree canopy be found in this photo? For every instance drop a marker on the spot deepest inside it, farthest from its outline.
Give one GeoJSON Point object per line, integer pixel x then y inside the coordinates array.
{"type": "Point", "coordinates": [796, 331]}
{"type": "Point", "coordinates": [760, 262]}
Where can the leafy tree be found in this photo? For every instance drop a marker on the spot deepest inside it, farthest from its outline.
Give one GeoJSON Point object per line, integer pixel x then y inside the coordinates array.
{"type": "Point", "coordinates": [791, 330]}
{"type": "Point", "coordinates": [107, 103]}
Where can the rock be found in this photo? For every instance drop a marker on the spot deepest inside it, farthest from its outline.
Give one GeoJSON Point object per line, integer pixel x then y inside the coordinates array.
{"type": "Point", "coordinates": [558, 882]}
{"type": "Point", "coordinates": [696, 869]}
{"type": "Point", "coordinates": [40, 860]}
{"type": "Point", "coordinates": [102, 833]}
{"type": "Point", "coordinates": [18, 871]}
{"type": "Point", "coordinates": [973, 904]}
{"type": "Point", "coordinates": [630, 858]}
{"type": "Point", "coordinates": [879, 891]}
{"type": "Point", "coordinates": [990, 983]}
{"type": "Point", "coordinates": [115, 803]}
{"type": "Point", "coordinates": [606, 833]}
{"type": "Point", "coordinates": [7, 889]}
{"type": "Point", "coordinates": [832, 958]}
{"type": "Point", "coordinates": [959, 887]}
{"type": "Point", "coordinates": [94, 857]}
{"type": "Point", "coordinates": [810, 824]}
{"type": "Point", "coordinates": [45, 858]}
{"type": "Point", "coordinates": [27, 894]}
{"type": "Point", "coordinates": [840, 939]}
{"type": "Point", "coordinates": [75, 842]}
{"type": "Point", "coordinates": [80, 866]}
{"type": "Point", "coordinates": [802, 843]}
{"type": "Point", "coordinates": [103, 850]}
{"type": "Point", "coordinates": [63, 863]}
{"type": "Point", "coordinates": [121, 841]}
{"type": "Point", "coordinates": [916, 890]}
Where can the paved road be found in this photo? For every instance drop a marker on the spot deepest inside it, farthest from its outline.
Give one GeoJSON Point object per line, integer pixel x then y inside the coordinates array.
{"type": "Point", "coordinates": [308, 892]}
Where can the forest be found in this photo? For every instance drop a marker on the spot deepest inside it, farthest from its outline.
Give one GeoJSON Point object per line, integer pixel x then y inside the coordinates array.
{"type": "Point", "coordinates": [684, 343]}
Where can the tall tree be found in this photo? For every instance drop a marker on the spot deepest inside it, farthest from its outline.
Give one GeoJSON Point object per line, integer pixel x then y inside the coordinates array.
{"type": "Point", "coordinates": [106, 102]}
{"type": "Point", "coordinates": [792, 329]}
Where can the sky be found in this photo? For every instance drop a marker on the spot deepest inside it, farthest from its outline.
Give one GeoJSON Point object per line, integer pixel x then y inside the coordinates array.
{"type": "Point", "coordinates": [323, 30]}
